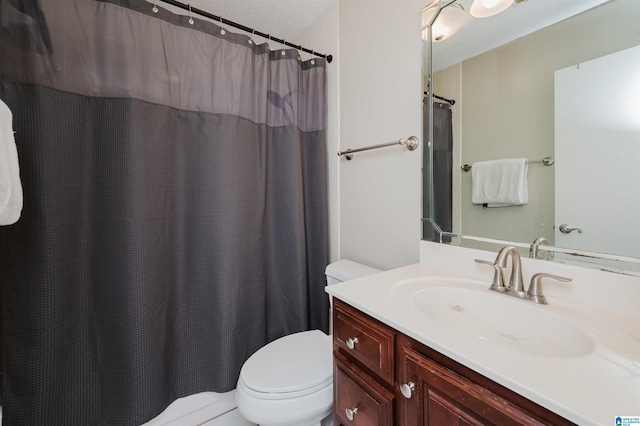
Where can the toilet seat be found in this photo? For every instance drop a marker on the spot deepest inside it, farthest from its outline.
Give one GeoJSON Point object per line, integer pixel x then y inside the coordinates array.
{"type": "Point", "coordinates": [288, 382]}
{"type": "Point", "coordinates": [292, 366]}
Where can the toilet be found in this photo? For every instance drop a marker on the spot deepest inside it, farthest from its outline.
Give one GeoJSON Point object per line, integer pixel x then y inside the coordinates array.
{"type": "Point", "coordinates": [289, 382]}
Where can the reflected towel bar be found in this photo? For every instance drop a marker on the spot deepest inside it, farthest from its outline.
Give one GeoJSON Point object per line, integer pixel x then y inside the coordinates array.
{"type": "Point", "coordinates": [411, 143]}
{"type": "Point", "coordinates": [547, 161]}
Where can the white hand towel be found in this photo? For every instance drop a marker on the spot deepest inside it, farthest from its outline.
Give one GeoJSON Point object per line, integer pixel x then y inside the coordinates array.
{"type": "Point", "coordinates": [500, 183]}
{"type": "Point", "coordinates": [10, 185]}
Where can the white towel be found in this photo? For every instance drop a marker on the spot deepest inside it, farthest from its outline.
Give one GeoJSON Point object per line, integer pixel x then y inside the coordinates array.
{"type": "Point", "coordinates": [500, 183]}
{"type": "Point", "coordinates": [10, 185]}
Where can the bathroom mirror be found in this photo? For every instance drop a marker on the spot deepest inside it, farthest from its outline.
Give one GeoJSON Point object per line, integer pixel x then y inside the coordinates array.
{"type": "Point", "coordinates": [506, 85]}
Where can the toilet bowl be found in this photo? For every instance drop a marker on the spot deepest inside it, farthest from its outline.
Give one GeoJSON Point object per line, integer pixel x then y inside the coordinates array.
{"type": "Point", "coordinates": [289, 382]}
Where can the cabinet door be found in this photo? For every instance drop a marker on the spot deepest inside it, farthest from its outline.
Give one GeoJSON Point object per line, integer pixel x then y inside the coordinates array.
{"type": "Point", "coordinates": [359, 400]}
{"type": "Point", "coordinates": [441, 397]}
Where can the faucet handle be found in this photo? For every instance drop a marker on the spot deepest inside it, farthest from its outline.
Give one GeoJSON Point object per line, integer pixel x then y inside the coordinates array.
{"type": "Point", "coordinates": [535, 286]}
{"type": "Point", "coordinates": [498, 279]}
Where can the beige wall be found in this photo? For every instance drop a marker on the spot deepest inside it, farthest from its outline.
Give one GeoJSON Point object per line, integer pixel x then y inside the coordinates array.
{"type": "Point", "coordinates": [505, 104]}
{"type": "Point", "coordinates": [380, 101]}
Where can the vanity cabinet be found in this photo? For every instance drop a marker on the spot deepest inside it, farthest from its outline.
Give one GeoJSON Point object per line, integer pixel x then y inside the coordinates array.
{"type": "Point", "coordinates": [382, 377]}
{"type": "Point", "coordinates": [364, 369]}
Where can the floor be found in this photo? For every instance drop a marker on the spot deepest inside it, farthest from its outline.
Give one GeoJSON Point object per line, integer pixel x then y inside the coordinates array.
{"type": "Point", "coordinates": [210, 410]}
{"type": "Point", "coordinates": [203, 409]}
{"type": "Point", "coordinates": [231, 418]}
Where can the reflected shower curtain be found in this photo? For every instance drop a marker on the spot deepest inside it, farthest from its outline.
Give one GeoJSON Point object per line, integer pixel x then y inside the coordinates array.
{"type": "Point", "coordinates": [175, 214]}
{"type": "Point", "coordinates": [442, 169]}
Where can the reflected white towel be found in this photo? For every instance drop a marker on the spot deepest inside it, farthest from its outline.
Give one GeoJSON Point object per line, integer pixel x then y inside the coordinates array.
{"type": "Point", "coordinates": [500, 183]}
{"type": "Point", "coordinates": [10, 185]}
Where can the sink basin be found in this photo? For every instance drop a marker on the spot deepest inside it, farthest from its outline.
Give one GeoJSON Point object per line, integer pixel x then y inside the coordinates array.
{"type": "Point", "coordinates": [462, 306]}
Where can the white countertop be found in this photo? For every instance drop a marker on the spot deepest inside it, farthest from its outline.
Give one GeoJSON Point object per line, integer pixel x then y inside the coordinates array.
{"type": "Point", "coordinates": [589, 389]}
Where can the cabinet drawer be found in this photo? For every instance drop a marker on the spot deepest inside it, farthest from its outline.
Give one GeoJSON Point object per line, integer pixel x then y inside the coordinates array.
{"type": "Point", "coordinates": [359, 400]}
{"type": "Point", "coordinates": [365, 339]}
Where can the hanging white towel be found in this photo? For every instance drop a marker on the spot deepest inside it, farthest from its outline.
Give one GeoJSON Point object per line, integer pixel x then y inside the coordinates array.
{"type": "Point", "coordinates": [500, 183]}
{"type": "Point", "coordinates": [10, 185]}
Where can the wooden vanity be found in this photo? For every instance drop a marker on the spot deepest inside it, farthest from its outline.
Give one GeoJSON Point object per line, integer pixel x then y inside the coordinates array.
{"type": "Point", "coordinates": [374, 365]}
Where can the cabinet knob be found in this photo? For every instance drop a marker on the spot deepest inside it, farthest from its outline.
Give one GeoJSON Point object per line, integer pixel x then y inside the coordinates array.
{"type": "Point", "coordinates": [351, 342]}
{"type": "Point", "coordinates": [351, 412]}
{"type": "Point", "coordinates": [407, 389]}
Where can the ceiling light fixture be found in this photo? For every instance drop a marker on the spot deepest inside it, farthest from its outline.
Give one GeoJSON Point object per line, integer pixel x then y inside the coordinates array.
{"type": "Point", "coordinates": [485, 8]}
{"type": "Point", "coordinates": [448, 22]}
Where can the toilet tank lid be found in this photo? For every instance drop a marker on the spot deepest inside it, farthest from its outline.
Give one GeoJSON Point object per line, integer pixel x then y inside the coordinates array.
{"type": "Point", "coordinates": [344, 270]}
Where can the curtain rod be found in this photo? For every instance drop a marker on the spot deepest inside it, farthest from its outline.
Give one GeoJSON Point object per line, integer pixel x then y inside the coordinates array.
{"type": "Point", "coordinates": [449, 101]}
{"type": "Point", "coordinates": [244, 28]}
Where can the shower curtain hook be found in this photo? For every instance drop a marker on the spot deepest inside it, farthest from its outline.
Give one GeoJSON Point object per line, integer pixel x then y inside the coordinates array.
{"type": "Point", "coordinates": [190, 16]}
{"type": "Point", "coordinates": [253, 31]}
{"type": "Point", "coordinates": [155, 6]}
{"type": "Point", "coordinates": [222, 31]}
{"type": "Point", "coordinates": [313, 59]}
{"type": "Point", "coordinates": [284, 47]}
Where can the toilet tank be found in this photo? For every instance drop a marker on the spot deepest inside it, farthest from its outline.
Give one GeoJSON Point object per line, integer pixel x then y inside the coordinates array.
{"type": "Point", "coordinates": [345, 270]}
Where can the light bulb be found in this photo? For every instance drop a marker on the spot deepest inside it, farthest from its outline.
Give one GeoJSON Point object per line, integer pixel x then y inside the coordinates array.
{"type": "Point", "coordinates": [485, 8]}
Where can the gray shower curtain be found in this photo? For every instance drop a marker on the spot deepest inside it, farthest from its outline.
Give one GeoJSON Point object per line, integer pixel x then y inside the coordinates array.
{"type": "Point", "coordinates": [175, 212]}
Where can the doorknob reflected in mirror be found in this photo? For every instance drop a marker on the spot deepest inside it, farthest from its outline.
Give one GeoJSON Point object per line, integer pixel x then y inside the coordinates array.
{"type": "Point", "coordinates": [567, 229]}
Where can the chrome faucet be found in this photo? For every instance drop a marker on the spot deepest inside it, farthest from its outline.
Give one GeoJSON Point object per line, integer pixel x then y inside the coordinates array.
{"type": "Point", "coordinates": [516, 282]}
{"type": "Point", "coordinates": [500, 265]}
{"type": "Point", "coordinates": [516, 285]}
{"type": "Point", "coordinates": [535, 287]}
{"type": "Point", "coordinates": [533, 249]}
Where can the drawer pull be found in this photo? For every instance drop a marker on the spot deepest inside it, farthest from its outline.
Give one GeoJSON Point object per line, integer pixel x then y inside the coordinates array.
{"type": "Point", "coordinates": [351, 412]}
{"type": "Point", "coordinates": [351, 342]}
{"type": "Point", "coordinates": [407, 389]}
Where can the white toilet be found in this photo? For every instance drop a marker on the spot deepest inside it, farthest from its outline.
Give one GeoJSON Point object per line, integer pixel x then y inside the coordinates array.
{"type": "Point", "coordinates": [289, 382]}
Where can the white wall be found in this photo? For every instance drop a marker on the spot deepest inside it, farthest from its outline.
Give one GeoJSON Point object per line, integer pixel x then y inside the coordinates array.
{"type": "Point", "coordinates": [322, 36]}
{"type": "Point", "coordinates": [380, 101]}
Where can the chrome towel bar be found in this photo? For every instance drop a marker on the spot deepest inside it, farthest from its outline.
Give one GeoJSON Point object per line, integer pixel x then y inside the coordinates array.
{"type": "Point", "coordinates": [411, 143]}
{"type": "Point", "coordinates": [547, 161]}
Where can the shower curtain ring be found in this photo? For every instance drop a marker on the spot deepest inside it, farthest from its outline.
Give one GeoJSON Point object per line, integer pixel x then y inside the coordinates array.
{"type": "Point", "coordinates": [284, 46]}
{"type": "Point", "coordinates": [222, 31]}
{"type": "Point", "coordinates": [190, 16]}
{"type": "Point", "coordinates": [313, 59]}
{"type": "Point", "coordinates": [155, 6]}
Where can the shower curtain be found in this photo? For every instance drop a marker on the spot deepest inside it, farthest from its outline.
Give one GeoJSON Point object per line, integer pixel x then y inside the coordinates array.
{"type": "Point", "coordinates": [442, 169]}
{"type": "Point", "coordinates": [175, 207]}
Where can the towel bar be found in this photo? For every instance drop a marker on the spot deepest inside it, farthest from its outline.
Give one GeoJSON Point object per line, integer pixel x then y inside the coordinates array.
{"type": "Point", "coordinates": [411, 143]}
{"type": "Point", "coordinates": [547, 161]}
